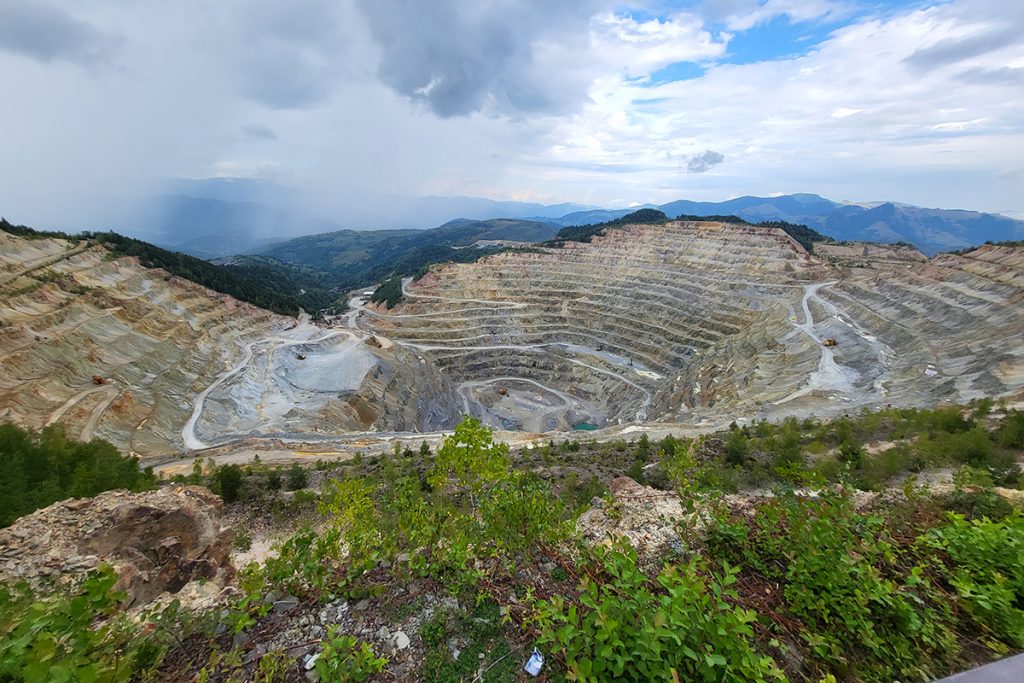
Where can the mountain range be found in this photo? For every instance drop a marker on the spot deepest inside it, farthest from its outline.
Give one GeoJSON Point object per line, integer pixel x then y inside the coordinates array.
{"type": "Point", "coordinates": [930, 230]}
{"type": "Point", "coordinates": [226, 217]}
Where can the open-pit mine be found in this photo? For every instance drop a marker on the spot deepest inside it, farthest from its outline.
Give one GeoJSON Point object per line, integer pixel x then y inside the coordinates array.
{"type": "Point", "coordinates": [681, 325]}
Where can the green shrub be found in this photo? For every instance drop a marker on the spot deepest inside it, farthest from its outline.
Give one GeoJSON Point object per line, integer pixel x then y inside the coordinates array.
{"type": "Point", "coordinates": [297, 477]}
{"type": "Point", "coordinates": [1011, 431]}
{"type": "Point", "coordinates": [243, 541]}
{"type": "Point", "coordinates": [986, 566]}
{"type": "Point", "coordinates": [81, 636]}
{"type": "Point", "coordinates": [868, 611]}
{"type": "Point", "coordinates": [344, 659]}
{"type": "Point", "coordinates": [229, 482]}
{"type": "Point", "coordinates": [626, 628]}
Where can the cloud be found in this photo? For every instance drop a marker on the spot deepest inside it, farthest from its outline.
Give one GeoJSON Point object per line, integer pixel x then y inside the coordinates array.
{"type": "Point", "coordinates": [354, 101]}
{"type": "Point", "coordinates": [458, 58]}
{"type": "Point", "coordinates": [289, 55]}
{"type": "Point", "coordinates": [704, 162]}
{"type": "Point", "coordinates": [533, 57]}
{"type": "Point", "coordinates": [999, 76]}
{"type": "Point", "coordinates": [46, 33]}
{"type": "Point", "coordinates": [258, 131]}
{"type": "Point", "coordinates": [953, 50]}
{"type": "Point", "coordinates": [742, 15]}
{"type": "Point", "coordinates": [850, 118]}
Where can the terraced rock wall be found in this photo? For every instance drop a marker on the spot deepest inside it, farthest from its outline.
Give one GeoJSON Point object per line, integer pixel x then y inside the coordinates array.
{"type": "Point", "coordinates": [698, 323]}
{"type": "Point", "coordinates": [157, 364]}
{"type": "Point", "coordinates": [70, 312]}
{"type": "Point", "coordinates": [693, 321]}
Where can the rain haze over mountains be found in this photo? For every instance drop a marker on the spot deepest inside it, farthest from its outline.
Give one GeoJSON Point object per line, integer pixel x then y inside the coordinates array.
{"type": "Point", "coordinates": [219, 128]}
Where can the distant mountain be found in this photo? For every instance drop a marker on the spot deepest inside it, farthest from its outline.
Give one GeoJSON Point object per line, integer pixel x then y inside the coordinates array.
{"type": "Point", "coordinates": [930, 230]}
{"type": "Point", "coordinates": [218, 217]}
{"type": "Point", "coordinates": [356, 258]}
{"type": "Point", "coordinates": [794, 208]}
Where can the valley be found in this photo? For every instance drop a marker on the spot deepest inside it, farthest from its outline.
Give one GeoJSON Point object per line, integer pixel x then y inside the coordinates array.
{"type": "Point", "coordinates": [681, 326]}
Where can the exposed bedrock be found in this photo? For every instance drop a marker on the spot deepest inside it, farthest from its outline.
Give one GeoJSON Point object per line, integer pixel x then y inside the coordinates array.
{"type": "Point", "coordinates": [688, 321]}
{"type": "Point", "coordinates": [108, 348]}
{"type": "Point", "coordinates": [685, 322]}
{"type": "Point", "coordinates": [157, 541]}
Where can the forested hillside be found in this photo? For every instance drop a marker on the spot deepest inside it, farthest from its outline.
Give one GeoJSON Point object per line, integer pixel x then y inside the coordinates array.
{"type": "Point", "coordinates": [347, 259]}
{"type": "Point", "coordinates": [43, 467]}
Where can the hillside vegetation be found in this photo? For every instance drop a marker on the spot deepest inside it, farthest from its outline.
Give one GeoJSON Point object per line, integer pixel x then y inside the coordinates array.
{"type": "Point", "coordinates": [815, 582]}
{"type": "Point", "coordinates": [347, 259]}
{"type": "Point", "coordinates": [43, 467]}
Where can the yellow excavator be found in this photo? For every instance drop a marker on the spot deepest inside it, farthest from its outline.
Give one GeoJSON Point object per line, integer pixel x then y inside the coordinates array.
{"type": "Point", "coordinates": [830, 342]}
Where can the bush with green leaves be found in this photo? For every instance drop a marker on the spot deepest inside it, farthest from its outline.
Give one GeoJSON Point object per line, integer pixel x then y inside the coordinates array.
{"type": "Point", "coordinates": [986, 567]}
{"type": "Point", "coordinates": [868, 608]}
{"type": "Point", "coordinates": [77, 636]}
{"type": "Point", "coordinates": [297, 477]}
{"type": "Point", "coordinates": [228, 481]}
{"type": "Point", "coordinates": [625, 627]}
{"type": "Point", "coordinates": [345, 659]}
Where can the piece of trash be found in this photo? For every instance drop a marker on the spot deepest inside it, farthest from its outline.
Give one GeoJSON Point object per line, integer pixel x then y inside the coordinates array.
{"type": "Point", "coordinates": [309, 661]}
{"type": "Point", "coordinates": [534, 663]}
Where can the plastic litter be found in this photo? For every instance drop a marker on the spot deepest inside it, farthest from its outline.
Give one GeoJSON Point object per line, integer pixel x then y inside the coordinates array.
{"type": "Point", "coordinates": [534, 663]}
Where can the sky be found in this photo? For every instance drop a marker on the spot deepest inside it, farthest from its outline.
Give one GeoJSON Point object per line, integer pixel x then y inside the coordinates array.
{"type": "Point", "coordinates": [602, 103]}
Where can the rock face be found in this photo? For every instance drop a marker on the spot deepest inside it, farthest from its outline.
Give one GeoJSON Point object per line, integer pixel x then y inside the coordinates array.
{"type": "Point", "coordinates": [157, 541]}
{"type": "Point", "coordinates": [69, 311]}
{"type": "Point", "coordinates": [647, 517]}
{"type": "Point", "coordinates": [110, 349]}
{"type": "Point", "coordinates": [689, 321]}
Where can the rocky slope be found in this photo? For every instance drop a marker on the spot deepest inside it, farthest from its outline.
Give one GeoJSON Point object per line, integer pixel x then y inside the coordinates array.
{"type": "Point", "coordinates": [157, 542]}
{"type": "Point", "coordinates": [70, 313]}
{"type": "Point", "coordinates": [155, 363]}
{"type": "Point", "coordinates": [695, 321]}
{"type": "Point", "coordinates": [685, 323]}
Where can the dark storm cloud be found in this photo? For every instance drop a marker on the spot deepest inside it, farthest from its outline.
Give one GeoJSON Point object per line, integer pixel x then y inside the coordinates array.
{"type": "Point", "coordinates": [38, 30]}
{"type": "Point", "coordinates": [459, 58]}
{"type": "Point", "coordinates": [1003, 76]}
{"type": "Point", "coordinates": [951, 50]}
{"type": "Point", "coordinates": [257, 131]}
{"type": "Point", "coordinates": [289, 55]}
{"type": "Point", "coordinates": [704, 162]}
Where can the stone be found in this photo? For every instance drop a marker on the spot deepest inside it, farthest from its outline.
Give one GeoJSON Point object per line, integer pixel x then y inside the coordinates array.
{"type": "Point", "coordinates": [399, 640]}
{"type": "Point", "coordinates": [157, 541]}
{"type": "Point", "coordinates": [647, 517]}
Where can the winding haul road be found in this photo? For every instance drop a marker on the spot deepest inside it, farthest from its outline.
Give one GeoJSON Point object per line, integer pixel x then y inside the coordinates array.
{"type": "Point", "coordinates": [188, 432]}
{"type": "Point", "coordinates": [357, 304]}
{"type": "Point", "coordinates": [829, 375]}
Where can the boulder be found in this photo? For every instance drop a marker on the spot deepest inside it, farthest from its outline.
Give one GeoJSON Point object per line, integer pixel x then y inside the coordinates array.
{"type": "Point", "coordinates": [157, 541]}
{"type": "Point", "coordinates": [650, 519]}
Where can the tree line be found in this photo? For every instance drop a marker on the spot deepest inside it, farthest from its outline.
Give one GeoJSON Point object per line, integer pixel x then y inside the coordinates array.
{"type": "Point", "coordinates": [42, 467]}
